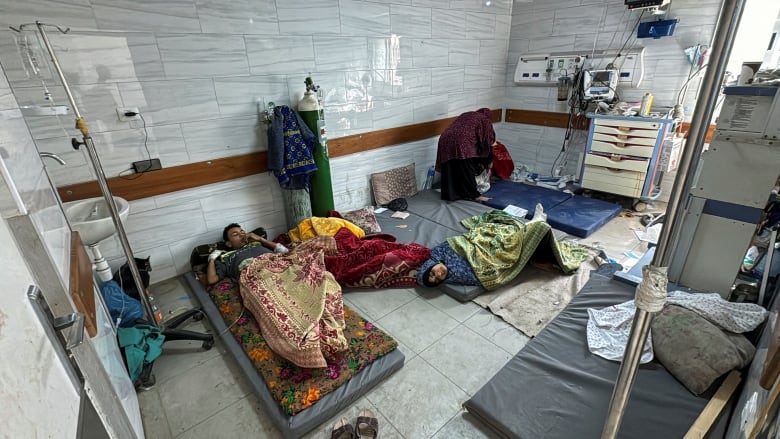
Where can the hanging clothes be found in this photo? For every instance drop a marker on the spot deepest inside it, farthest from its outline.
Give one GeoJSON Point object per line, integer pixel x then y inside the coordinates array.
{"type": "Point", "coordinates": [291, 149]}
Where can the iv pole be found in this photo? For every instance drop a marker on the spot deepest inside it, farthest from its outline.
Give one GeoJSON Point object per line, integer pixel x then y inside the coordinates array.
{"type": "Point", "coordinates": [722, 42]}
{"type": "Point", "coordinates": [81, 125]}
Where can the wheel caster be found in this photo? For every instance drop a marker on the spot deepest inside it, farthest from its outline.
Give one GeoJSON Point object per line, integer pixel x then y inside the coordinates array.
{"type": "Point", "coordinates": [208, 344]}
{"type": "Point", "coordinates": [198, 317]}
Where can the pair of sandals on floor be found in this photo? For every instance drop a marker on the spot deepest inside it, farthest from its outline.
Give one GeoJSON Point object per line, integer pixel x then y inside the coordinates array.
{"type": "Point", "coordinates": [366, 426]}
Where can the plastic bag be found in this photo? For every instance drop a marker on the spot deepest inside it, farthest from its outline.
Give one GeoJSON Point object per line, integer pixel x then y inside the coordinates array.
{"type": "Point", "coordinates": [123, 309]}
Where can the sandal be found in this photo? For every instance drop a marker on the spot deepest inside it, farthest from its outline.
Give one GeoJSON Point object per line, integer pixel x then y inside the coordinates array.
{"type": "Point", "coordinates": [367, 425]}
{"type": "Point", "coordinates": [342, 430]}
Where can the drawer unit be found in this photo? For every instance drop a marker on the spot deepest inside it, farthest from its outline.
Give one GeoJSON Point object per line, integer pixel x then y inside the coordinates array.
{"type": "Point", "coordinates": [622, 153]}
{"type": "Point", "coordinates": [620, 182]}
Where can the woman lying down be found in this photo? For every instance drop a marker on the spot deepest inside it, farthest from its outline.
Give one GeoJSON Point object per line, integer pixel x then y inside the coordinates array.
{"type": "Point", "coordinates": [495, 250]}
{"type": "Point", "coordinates": [295, 295]}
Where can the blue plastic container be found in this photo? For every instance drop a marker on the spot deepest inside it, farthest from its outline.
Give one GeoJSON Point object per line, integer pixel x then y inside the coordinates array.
{"type": "Point", "coordinates": [656, 29]}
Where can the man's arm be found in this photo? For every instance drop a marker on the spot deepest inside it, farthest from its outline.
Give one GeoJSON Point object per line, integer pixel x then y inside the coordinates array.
{"type": "Point", "coordinates": [211, 269]}
{"type": "Point", "coordinates": [270, 245]}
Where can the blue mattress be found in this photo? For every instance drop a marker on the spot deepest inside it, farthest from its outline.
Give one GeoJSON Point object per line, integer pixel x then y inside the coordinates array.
{"type": "Point", "coordinates": [573, 214]}
{"type": "Point", "coordinates": [581, 216]}
{"type": "Point", "coordinates": [504, 192]}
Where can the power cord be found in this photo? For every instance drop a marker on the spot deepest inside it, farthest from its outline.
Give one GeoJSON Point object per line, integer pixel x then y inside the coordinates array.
{"type": "Point", "coordinates": [146, 147]}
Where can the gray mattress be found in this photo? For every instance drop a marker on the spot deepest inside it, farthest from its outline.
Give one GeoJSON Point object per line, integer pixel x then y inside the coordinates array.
{"type": "Point", "coordinates": [431, 221]}
{"type": "Point", "coordinates": [556, 389]}
{"type": "Point", "coordinates": [327, 407]}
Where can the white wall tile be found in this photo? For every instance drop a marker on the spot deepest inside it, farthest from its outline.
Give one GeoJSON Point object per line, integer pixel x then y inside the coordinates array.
{"type": "Point", "coordinates": [393, 113]}
{"type": "Point", "coordinates": [430, 53]}
{"type": "Point", "coordinates": [480, 25]}
{"type": "Point", "coordinates": [246, 95]}
{"type": "Point", "coordinates": [172, 16]}
{"type": "Point", "coordinates": [574, 20]}
{"type": "Point", "coordinates": [415, 82]}
{"type": "Point", "coordinates": [359, 18]}
{"type": "Point", "coordinates": [308, 17]}
{"type": "Point", "coordinates": [476, 77]}
{"type": "Point", "coordinates": [76, 14]}
{"type": "Point", "coordinates": [156, 227]}
{"type": "Point", "coordinates": [197, 56]}
{"type": "Point", "coordinates": [238, 17]}
{"type": "Point", "coordinates": [407, 21]}
{"type": "Point", "coordinates": [431, 108]}
{"type": "Point", "coordinates": [279, 55]}
{"type": "Point", "coordinates": [224, 137]}
{"type": "Point", "coordinates": [341, 53]}
{"type": "Point", "coordinates": [464, 52]}
{"type": "Point", "coordinates": [165, 102]}
{"type": "Point", "coordinates": [448, 23]}
{"type": "Point", "coordinates": [447, 79]}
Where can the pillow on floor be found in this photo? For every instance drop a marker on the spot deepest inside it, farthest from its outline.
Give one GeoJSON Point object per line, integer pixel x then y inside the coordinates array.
{"type": "Point", "coordinates": [694, 350]}
{"type": "Point", "coordinates": [394, 183]}
{"type": "Point", "coordinates": [363, 218]}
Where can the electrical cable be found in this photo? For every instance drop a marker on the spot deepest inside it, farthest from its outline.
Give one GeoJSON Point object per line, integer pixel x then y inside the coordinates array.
{"type": "Point", "coordinates": [684, 88]}
{"type": "Point", "coordinates": [631, 34]}
{"type": "Point", "coordinates": [146, 147]}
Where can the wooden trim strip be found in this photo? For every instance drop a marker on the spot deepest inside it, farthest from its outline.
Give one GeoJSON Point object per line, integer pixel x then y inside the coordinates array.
{"type": "Point", "coordinates": [391, 136]}
{"type": "Point", "coordinates": [172, 179]}
{"type": "Point", "coordinates": [176, 178]}
{"type": "Point", "coordinates": [545, 118]}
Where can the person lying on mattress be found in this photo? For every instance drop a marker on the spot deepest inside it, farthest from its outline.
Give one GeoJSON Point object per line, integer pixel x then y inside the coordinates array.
{"type": "Point", "coordinates": [245, 246]}
{"type": "Point", "coordinates": [495, 250]}
{"type": "Point", "coordinates": [465, 152]}
{"type": "Point", "coordinates": [296, 302]}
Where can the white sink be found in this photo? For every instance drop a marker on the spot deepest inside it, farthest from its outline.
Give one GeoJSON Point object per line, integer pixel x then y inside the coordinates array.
{"type": "Point", "coordinates": [92, 217]}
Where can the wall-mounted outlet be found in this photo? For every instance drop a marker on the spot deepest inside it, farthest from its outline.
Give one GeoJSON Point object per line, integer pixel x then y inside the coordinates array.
{"type": "Point", "coordinates": [122, 113]}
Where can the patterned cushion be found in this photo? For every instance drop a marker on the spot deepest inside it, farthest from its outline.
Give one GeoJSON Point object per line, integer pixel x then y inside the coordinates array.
{"type": "Point", "coordinates": [363, 218]}
{"type": "Point", "coordinates": [694, 350]}
{"type": "Point", "coordinates": [394, 183]}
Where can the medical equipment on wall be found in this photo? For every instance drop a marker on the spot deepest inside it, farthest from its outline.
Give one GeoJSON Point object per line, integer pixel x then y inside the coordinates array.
{"type": "Point", "coordinates": [564, 86]}
{"type": "Point", "coordinates": [544, 69]}
{"type": "Point", "coordinates": [599, 85]}
{"type": "Point", "coordinates": [651, 5]}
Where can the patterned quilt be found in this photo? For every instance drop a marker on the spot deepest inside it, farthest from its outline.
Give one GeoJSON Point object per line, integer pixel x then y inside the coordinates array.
{"type": "Point", "coordinates": [297, 388]}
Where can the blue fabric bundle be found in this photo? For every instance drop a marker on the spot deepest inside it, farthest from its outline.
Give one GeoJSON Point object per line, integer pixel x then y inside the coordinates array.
{"type": "Point", "coordinates": [123, 309]}
{"type": "Point", "coordinates": [291, 149]}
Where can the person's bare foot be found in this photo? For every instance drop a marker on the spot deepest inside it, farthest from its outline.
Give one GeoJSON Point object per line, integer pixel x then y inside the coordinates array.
{"type": "Point", "coordinates": [482, 199]}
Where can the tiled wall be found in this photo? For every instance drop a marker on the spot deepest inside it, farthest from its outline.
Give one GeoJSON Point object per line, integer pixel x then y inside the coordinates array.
{"type": "Point", "coordinates": [197, 69]}
{"type": "Point", "coordinates": [543, 26]}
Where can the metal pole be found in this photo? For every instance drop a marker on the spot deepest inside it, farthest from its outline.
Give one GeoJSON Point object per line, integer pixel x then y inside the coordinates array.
{"type": "Point", "coordinates": [101, 178]}
{"type": "Point", "coordinates": [723, 40]}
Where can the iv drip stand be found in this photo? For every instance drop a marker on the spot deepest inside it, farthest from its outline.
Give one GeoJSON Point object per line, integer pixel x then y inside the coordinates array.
{"type": "Point", "coordinates": [81, 125]}
{"type": "Point", "coordinates": [722, 42]}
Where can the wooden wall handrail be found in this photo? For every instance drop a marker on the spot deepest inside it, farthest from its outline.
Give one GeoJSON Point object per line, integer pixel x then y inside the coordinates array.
{"type": "Point", "coordinates": [176, 178]}
{"type": "Point", "coordinates": [546, 118]}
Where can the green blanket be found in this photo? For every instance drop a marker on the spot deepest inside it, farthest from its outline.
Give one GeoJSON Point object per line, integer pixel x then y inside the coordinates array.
{"type": "Point", "coordinates": [498, 246]}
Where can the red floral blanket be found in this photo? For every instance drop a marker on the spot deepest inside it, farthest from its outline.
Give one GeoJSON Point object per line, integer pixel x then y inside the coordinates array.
{"type": "Point", "coordinates": [375, 262]}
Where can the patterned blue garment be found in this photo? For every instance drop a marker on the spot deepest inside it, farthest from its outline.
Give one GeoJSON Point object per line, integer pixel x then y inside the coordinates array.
{"type": "Point", "coordinates": [458, 268]}
{"type": "Point", "coordinates": [291, 149]}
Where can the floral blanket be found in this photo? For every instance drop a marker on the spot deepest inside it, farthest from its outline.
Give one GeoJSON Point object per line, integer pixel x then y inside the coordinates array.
{"type": "Point", "coordinates": [298, 305]}
{"type": "Point", "coordinates": [297, 388]}
{"type": "Point", "coordinates": [498, 246]}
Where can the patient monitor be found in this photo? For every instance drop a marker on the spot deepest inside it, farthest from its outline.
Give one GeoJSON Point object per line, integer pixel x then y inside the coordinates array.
{"type": "Point", "coordinates": [599, 85]}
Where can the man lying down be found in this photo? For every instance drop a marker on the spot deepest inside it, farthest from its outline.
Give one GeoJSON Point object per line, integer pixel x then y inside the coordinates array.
{"type": "Point", "coordinates": [295, 295]}
{"type": "Point", "coordinates": [495, 250]}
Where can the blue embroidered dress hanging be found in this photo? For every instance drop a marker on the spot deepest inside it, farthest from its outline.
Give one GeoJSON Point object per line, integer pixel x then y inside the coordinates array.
{"type": "Point", "coordinates": [291, 149]}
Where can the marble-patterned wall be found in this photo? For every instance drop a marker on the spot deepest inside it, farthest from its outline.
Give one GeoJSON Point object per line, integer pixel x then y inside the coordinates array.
{"type": "Point", "coordinates": [543, 26]}
{"type": "Point", "coordinates": [197, 69]}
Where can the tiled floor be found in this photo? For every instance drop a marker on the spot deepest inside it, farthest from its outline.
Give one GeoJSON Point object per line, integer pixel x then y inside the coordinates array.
{"type": "Point", "coordinates": [451, 350]}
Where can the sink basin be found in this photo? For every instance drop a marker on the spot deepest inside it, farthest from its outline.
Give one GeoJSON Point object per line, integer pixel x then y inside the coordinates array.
{"type": "Point", "coordinates": [92, 218]}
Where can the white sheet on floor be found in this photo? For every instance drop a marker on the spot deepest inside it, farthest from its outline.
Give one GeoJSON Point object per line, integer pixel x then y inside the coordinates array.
{"type": "Point", "coordinates": [608, 329]}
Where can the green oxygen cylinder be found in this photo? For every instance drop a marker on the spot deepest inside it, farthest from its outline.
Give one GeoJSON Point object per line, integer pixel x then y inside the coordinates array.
{"type": "Point", "coordinates": [321, 186]}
